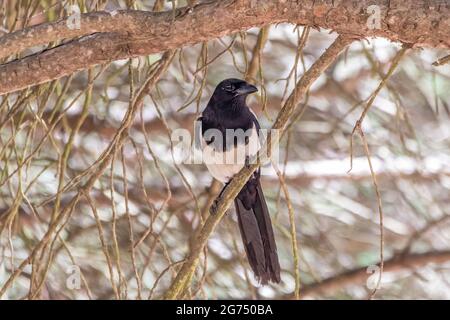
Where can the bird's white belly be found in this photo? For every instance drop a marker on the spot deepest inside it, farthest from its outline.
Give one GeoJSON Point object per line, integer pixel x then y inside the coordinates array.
{"type": "Point", "coordinates": [224, 173]}
{"type": "Point", "coordinates": [224, 165]}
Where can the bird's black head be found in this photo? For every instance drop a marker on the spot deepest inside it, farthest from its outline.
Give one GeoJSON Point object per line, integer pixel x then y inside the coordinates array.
{"type": "Point", "coordinates": [233, 89]}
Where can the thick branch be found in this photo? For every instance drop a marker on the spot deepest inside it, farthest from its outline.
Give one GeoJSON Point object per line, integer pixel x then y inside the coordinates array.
{"type": "Point", "coordinates": [126, 34]}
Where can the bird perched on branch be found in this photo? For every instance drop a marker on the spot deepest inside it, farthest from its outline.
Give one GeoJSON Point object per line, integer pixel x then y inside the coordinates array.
{"type": "Point", "coordinates": [230, 135]}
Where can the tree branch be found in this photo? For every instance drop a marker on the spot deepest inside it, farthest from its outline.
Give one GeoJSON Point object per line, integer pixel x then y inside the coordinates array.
{"type": "Point", "coordinates": [125, 34]}
{"type": "Point", "coordinates": [360, 275]}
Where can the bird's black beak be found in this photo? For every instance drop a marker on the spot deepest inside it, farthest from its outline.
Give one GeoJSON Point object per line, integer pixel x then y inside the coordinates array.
{"type": "Point", "coordinates": [246, 89]}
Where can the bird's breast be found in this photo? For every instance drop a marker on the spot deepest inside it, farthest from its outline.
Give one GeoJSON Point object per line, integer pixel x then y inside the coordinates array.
{"type": "Point", "coordinates": [224, 163]}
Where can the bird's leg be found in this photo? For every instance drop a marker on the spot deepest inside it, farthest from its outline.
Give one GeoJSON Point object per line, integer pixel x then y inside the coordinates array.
{"type": "Point", "coordinates": [247, 162]}
{"type": "Point", "coordinates": [213, 208]}
{"type": "Point", "coordinates": [257, 173]}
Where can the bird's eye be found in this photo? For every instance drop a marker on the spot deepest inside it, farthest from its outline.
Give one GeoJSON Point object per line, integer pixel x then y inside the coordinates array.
{"type": "Point", "coordinates": [228, 87]}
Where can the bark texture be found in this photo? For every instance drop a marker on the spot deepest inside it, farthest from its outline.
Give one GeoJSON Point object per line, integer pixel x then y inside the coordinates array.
{"type": "Point", "coordinates": [108, 36]}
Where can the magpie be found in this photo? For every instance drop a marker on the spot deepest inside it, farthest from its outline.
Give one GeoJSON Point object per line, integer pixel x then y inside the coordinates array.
{"type": "Point", "coordinates": [230, 137]}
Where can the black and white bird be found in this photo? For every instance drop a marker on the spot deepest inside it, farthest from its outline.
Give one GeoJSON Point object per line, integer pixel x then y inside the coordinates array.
{"type": "Point", "coordinates": [230, 137]}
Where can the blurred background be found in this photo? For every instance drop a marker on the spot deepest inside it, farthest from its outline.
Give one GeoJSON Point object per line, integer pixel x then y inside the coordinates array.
{"type": "Point", "coordinates": [126, 239]}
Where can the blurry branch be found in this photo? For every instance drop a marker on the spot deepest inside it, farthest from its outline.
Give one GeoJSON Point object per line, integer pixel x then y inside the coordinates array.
{"type": "Point", "coordinates": [419, 233]}
{"type": "Point", "coordinates": [159, 5]}
{"type": "Point", "coordinates": [442, 61]}
{"type": "Point", "coordinates": [305, 179]}
{"type": "Point", "coordinates": [381, 85]}
{"type": "Point", "coordinates": [293, 233]}
{"type": "Point", "coordinates": [255, 63]}
{"type": "Point", "coordinates": [187, 270]}
{"type": "Point", "coordinates": [358, 128]}
{"type": "Point", "coordinates": [359, 276]}
{"type": "Point", "coordinates": [191, 3]}
{"type": "Point", "coordinates": [60, 220]}
{"type": "Point", "coordinates": [105, 37]}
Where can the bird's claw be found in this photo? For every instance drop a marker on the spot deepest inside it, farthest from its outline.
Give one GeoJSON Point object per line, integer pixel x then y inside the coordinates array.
{"type": "Point", "coordinates": [247, 162]}
{"type": "Point", "coordinates": [214, 207]}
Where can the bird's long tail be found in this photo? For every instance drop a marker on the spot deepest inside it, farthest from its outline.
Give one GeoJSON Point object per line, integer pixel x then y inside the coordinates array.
{"type": "Point", "coordinates": [257, 233]}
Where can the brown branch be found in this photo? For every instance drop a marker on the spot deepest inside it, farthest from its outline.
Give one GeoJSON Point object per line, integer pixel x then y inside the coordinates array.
{"type": "Point", "coordinates": [255, 62]}
{"type": "Point", "coordinates": [442, 61]}
{"type": "Point", "coordinates": [360, 275]}
{"type": "Point", "coordinates": [124, 34]}
{"type": "Point", "coordinates": [188, 268]}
